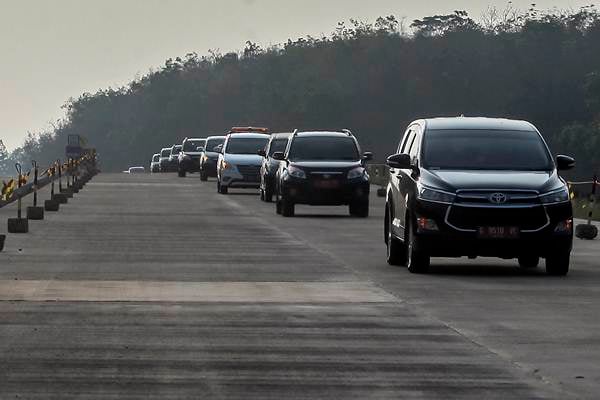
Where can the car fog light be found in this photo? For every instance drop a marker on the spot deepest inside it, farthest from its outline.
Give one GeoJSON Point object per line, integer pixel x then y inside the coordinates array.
{"type": "Point", "coordinates": [564, 227]}
{"type": "Point", "coordinates": [426, 225]}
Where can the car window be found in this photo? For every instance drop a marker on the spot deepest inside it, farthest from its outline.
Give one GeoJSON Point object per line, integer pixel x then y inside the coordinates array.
{"type": "Point", "coordinates": [156, 157]}
{"type": "Point", "coordinates": [192, 145]}
{"type": "Point", "coordinates": [406, 143]}
{"type": "Point", "coordinates": [415, 146]}
{"type": "Point", "coordinates": [277, 145]}
{"type": "Point", "coordinates": [486, 150]}
{"type": "Point", "coordinates": [318, 148]}
{"type": "Point", "coordinates": [176, 150]}
{"type": "Point", "coordinates": [212, 143]}
{"type": "Point", "coordinates": [165, 153]}
{"type": "Point", "coordinates": [247, 145]}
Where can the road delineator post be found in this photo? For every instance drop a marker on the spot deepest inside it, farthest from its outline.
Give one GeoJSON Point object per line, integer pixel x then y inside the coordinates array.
{"type": "Point", "coordinates": [52, 204]}
{"type": "Point", "coordinates": [60, 197]}
{"type": "Point", "coordinates": [19, 224]}
{"type": "Point", "coordinates": [589, 231]}
{"type": "Point", "coordinates": [34, 212]}
{"type": "Point", "coordinates": [68, 192]}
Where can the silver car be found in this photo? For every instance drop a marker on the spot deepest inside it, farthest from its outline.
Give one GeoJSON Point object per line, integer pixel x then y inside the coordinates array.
{"type": "Point", "coordinates": [239, 162]}
{"type": "Point", "coordinates": [155, 163]}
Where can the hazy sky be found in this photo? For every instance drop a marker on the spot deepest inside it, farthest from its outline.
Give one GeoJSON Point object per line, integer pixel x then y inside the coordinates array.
{"type": "Point", "coordinates": [51, 50]}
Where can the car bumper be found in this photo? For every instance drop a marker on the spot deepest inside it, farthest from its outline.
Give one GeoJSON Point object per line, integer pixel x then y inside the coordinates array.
{"type": "Point", "coordinates": [235, 179]}
{"type": "Point", "coordinates": [190, 164]}
{"type": "Point", "coordinates": [539, 238]}
{"type": "Point", "coordinates": [303, 191]}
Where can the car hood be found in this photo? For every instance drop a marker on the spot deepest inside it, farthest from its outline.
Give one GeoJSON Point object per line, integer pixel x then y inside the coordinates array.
{"type": "Point", "coordinates": [192, 153]}
{"type": "Point", "coordinates": [540, 181]}
{"type": "Point", "coordinates": [326, 165]}
{"type": "Point", "coordinates": [213, 155]}
{"type": "Point", "coordinates": [243, 159]}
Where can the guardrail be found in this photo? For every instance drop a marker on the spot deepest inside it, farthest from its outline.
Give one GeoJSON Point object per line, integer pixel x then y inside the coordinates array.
{"type": "Point", "coordinates": [75, 172]}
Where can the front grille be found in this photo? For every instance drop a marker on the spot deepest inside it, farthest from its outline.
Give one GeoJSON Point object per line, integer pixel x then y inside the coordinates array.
{"type": "Point", "coordinates": [472, 218]}
{"type": "Point", "coordinates": [484, 197]}
{"type": "Point", "coordinates": [251, 173]}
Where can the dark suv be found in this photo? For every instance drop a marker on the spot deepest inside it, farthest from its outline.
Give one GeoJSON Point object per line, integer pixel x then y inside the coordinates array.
{"type": "Point", "coordinates": [209, 157]}
{"type": "Point", "coordinates": [188, 159]}
{"type": "Point", "coordinates": [322, 168]}
{"type": "Point", "coordinates": [277, 143]}
{"type": "Point", "coordinates": [477, 187]}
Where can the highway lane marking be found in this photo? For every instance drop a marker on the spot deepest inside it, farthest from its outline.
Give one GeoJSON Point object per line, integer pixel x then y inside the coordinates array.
{"type": "Point", "coordinates": [201, 292]}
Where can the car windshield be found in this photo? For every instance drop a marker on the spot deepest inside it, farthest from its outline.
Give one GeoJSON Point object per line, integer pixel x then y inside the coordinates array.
{"type": "Point", "coordinates": [165, 153]}
{"type": "Point", "coordinates": [192, 145]}
{"type": "Point", "coordinates": [277, 145]}
{"type": "Point", "coordinates": [212, 143]}
{"type": "Point", "coordinates": [485, 150]}
{"type": "Point", "coordinates": [155, 157]}
{"type": "Point", "coordinates": [247, 145]}
{"type": "Point", "coordinates": [176, 150]}
{"type": "Point", "coordinates": [320, 148]}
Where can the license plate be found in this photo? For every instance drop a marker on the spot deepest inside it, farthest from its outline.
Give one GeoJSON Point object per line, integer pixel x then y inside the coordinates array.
{"type": "Point", "coordinates": [499, 232]}
{"type": "Point", "coordinates": [327, 184]}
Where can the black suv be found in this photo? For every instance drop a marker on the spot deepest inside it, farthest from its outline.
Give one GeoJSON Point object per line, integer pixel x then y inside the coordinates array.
{"type": "Point", "coordinates": [477, 187]}
{"type": "Point", "coordinates": [209, 157]}
{"type": "Point", "coordinates": [322, 168]}
{"type": "Point", "coordinates": [277, 143]}
{"type": "Point", "coordinates": [188, 159]}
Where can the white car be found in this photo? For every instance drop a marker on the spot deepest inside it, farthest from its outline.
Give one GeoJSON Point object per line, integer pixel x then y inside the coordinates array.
{"type": "Point", "coordinates": [239, 160]}
{"type": "Point", "coordinates": [135, 170]}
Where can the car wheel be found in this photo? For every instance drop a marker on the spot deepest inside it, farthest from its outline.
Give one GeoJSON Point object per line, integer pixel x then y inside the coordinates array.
{"type": "Point", "coordinates": [287, 207]}
{"type": "Point", "coordinates": [557, 264]}
{"type": "Point", "coordinates": [529, 262]}
{"type": "Point", "coordinates": [262, 195]}
{"type": "Point", "coordinates": [417, 260]}
{"type": "Point", "coordinates": [181, 173]}
{"type": "Point", "coordinates": [268, 194]}
{"type": "Point", "coordinates": [203, 176]}
{"type": "Point", "coordinates": [396, 249]}
{"type": "Point", "coordinates": [360, 209]}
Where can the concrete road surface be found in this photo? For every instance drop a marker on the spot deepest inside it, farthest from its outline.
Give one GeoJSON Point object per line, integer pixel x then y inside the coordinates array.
{"type": "Point", "coordinates": [153, 286]}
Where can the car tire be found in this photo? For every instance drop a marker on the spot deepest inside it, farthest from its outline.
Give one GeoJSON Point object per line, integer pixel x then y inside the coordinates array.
{"type": "Point", "coordinates": [557, 264]}
{"type": "Point", "coordinates": [181, 173]}
{"type": "Point", "coordinates": [359, 209]}
{"type": "Point", "coordinates": [529, 262]}
{"type": "Point", "coordinates": [268, 194]}
{"type": "Point", "coordinates": [396, 249]}
{"type": "Point", "coordinates": [287, 207]}
{"type": "Point", "coordinates": [203, 176]}
{"type": "Point", "coordinates": [418, 261]}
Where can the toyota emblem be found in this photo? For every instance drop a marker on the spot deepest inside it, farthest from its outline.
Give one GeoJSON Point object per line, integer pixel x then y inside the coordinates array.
{"type": "Point", "coordinates": [498, 198]}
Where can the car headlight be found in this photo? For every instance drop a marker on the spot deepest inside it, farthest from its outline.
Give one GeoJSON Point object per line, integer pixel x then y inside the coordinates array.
{"type": "Point", "coordinates": [557, 196]}
{"type": "Point", "coordinates": [296, 172]}
{"type": "Point", "coordinates": [437, 196]}
{"type": "Point", "coordinates": [226, 165]}
{"type": "Point", "coordinates": [357, 172]}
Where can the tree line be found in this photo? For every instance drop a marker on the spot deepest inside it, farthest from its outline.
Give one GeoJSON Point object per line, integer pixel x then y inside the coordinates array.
{"type": "Point", "coordinates": [373, 78]}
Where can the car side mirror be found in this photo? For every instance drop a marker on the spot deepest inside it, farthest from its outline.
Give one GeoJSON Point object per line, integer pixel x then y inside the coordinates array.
{"type": "Point", "coordinates": [399, 161]}
{"type": "Point", "coordinates": [367, 156]}
{"type": "Point", "coordinates": [279, 156]}
{"type": "Point", "coordinates": [564, 163]}
{"type": "Point", "coordinates": [219, 149]}
{"type": "Point", "coordinates": [262, 152]}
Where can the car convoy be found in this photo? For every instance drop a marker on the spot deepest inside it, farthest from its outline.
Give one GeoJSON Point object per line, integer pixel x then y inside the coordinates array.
{"type": "Point", "coordinates": [474, 187]}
